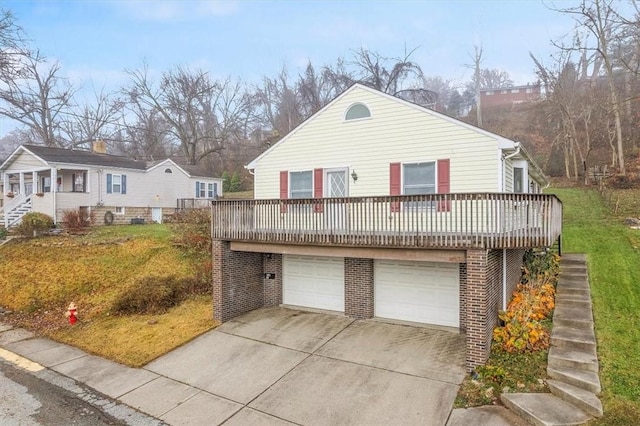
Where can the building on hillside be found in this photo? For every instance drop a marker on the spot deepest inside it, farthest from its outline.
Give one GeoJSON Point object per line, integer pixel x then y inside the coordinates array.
{"type": "Point", "coordinates": [378, 207]}
{"type": "Point", "coordinates": [116, 189]}
{"type": "Point", "coordinates": [509, 95]}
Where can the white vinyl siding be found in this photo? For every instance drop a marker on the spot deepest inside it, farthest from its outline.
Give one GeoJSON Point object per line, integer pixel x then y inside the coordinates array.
{"type": "Point", "coordinates": [396, 132]}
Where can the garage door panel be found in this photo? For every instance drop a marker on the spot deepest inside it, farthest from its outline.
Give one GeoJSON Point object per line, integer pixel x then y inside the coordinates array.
{"type": "Point", "coordinates": [314, 282]}
{"type": "Point", "coordinates": [422, 292]}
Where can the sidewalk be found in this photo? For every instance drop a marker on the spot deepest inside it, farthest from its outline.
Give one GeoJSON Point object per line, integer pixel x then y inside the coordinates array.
{"type": "Point", "coordinates": [160, 393]}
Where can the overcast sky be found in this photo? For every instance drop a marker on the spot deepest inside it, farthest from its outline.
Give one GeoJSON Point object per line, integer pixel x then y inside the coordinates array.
{"type": "Point", "coordinates": [96, 40]}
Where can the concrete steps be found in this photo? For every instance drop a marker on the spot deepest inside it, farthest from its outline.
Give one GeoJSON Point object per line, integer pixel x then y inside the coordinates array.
{"type": "Point", "coordinates": [570, 358]}
{"type": "Point", "coordinates": [584, 400]}
{"type": "Point", "coordinates": [573, 361]}
{"type": "Point", "coordinates": [544, 409]}
{"type": "Point", "coordinates": [587, 380]}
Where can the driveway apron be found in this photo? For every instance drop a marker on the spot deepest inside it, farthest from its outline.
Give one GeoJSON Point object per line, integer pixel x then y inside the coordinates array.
{"type": "Point", "coordinates": [280, 365]}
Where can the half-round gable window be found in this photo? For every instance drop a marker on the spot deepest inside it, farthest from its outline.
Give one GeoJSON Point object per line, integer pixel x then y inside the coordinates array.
{"type": "Point", "coordinates": [357, 111]}
{"type": "Point", "coordinates": [168, 171]}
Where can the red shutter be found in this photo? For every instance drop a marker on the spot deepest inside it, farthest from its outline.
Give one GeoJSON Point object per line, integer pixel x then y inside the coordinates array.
{"type": "Point", "coordinates": [444, 184]}
{"type": "Point", "coordinates": [284, 189]}
{"type": "Point", "coordinates": [395, 184]}
{"type": "Point", "coordinates": [318, 189]}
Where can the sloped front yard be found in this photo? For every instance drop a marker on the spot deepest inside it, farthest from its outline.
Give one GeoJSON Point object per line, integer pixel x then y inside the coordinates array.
{"type": "Point", "coordinates": [98, 271]}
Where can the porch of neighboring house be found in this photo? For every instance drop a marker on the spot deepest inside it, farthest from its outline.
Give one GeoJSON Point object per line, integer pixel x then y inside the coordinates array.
{"type": "Point", "coordinates": [446, 260]}
{"type": "Point", "coordinates": [46, 191]}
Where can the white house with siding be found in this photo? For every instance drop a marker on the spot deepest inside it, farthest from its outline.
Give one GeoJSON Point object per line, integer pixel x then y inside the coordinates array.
{"type": "Point", "coordinates": [117, 189]}
{"type": "Point", "coordinates": [377, 207]}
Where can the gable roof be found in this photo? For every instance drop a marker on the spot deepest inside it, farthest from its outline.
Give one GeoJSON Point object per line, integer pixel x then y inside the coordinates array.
{"type": "Point", "coordinates": [503, 143]}
{"type": "Point", "coordinates": [90, 158]}
{"type": "Point", "coordinates": [49, 156]}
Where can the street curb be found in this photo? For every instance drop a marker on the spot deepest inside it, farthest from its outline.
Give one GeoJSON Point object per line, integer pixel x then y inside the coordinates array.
{"type": "Point", "coordinates": [99, 401]}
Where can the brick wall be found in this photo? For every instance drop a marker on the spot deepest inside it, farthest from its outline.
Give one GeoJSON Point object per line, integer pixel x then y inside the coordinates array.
{"type": "Point", "coordinates": [358, 287]}
{"type": "Point", "coordinates": [273, 287]}
{"type": "Point", "coordinates": [237, 281]}
{"type": "Point", "coordinates": [483, 297]}
{"type": "Point", "coordinates": [494, 292]}
{"type": "Point", "coordinates": [463, 297]}
{"type": "Point", "coordinates": [514, 270]}
{"type": "Point", "coordinates": [120, 219]}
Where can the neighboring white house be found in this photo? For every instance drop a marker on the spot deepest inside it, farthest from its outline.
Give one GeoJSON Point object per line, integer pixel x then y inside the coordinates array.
{"type": "Point", "coordinates": [116, 189]}
{"type": "Point", "coordinates": [377, 207]}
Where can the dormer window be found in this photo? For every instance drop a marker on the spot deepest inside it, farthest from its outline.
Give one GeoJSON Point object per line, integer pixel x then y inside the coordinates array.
{"type": "Point", "coordinates": [356, 112]}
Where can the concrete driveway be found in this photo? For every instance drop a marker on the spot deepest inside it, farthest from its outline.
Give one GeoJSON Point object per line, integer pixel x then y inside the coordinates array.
{"type": "Point", "coordinates": [276, 365]}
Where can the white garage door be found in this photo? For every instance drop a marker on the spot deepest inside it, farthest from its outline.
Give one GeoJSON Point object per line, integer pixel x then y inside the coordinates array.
{"type": "Point", "coordinates": [314, 282]}
{"type": "Point", "coordinates": [424, 292]}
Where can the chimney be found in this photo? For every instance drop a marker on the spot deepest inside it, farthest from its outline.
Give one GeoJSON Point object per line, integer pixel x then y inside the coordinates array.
{"type": "Point", "coordinates": [99, 146]}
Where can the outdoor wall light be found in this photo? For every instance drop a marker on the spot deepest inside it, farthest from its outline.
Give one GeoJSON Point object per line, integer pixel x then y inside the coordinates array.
{"type": "Point", "coordinates": [354, 176]}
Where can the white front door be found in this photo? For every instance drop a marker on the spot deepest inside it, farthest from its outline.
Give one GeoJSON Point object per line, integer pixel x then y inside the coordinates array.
{"type": "Point", "coordinates": [156, 214]}
{"type": "Point", "coordinates": [337, 185]}
{"type": "Point", "coordinates": [424, 292]}
{"type": "Point", "coordinates": [313, 281]}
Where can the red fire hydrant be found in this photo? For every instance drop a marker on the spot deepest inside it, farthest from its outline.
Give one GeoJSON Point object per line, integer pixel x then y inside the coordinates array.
{"type": "Point", "coordinates": [72, 313]}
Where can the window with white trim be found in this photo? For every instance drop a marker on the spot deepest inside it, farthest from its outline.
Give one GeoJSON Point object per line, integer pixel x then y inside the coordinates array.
{"type": "Point", "coordinates": [357, 111]}
{"type": "Point", "coordinates": [45, 184]}
{"type": "Point", "coordinates": [212, 190]}
{"type": "Point", "coordinates": [116, 184]}
{"type": "Point", "coordinates": [518, 180]}
{"type": "Point", "coordinates": [419, 178]}
{"type": "Point", "coordinates": [202, 190]}
{"type": "Point", "coordinates": [119, 210]}
{"type": "Point", "coordinates": [301, 184]}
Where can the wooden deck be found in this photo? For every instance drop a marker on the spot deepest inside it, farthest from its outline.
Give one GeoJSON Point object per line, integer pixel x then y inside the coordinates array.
{"type": "Point", "coordinates": [453, 221]}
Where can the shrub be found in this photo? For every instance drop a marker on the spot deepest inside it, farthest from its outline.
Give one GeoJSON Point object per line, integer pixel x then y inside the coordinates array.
{"type": "Point", "coordinates": [153, 295]}
{"type": "Point", "coordinates": [540, 267]}
{"type": "Point", "coordinates": [33, 223]}
{"type": "Point", "coordinates": [3, 232]}
{"type": "Point", "coordinates": [523, 329]}
{"type": "Point", "coordinates": [77, 220]}
{"type": "Point", "coordinates": [533, 301]}
{"type": "Point", "coordinates": [192, 229]}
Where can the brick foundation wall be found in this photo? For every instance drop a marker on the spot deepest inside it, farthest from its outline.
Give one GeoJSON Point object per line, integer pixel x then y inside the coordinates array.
{"type": "Point", "coordinates": [514, 270]}
{"type": "Point", "coordinates": [358, 287]}
{"type": "Point", "coordinates": [120, 219]}
{"type": "Point", "coordinates": [273, 287]}
{"type": "Point", "coordinates": [237, 281]}
{"type": "Point", "coordinates": [463, 297]}
{"type": "Point", "coordinates": [483, 297]}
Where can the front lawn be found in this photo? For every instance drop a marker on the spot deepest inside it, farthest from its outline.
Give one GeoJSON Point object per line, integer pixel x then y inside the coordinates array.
{"type": "Point", "coordinates": [99, 271]}
{"type": "Point", "coordinates": [613, 255]}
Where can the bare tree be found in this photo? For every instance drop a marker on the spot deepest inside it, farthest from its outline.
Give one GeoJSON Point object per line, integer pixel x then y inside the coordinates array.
{"type": "Point", "coordinates": [91, 121]}
{"type": "Point", "coordinates": [601, 20]}
{"type": "Point", "coordinates": [477, 61]}
{"type": "Point", "coordinates": [374, 70]}
{"type": "Point", "coordinates": [12, 46]}
{"type": "Point", "coordinates": [316, 89]}
{"type": "Point", "coordinates": [280, 103]}
{"type": "Point", "coordinates": [38, 98]}
{"type": "Point", "coordinates": [202, 115]}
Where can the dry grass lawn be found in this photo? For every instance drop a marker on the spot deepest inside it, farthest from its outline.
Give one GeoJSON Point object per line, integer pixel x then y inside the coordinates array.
{"type": "Point", "coordinates": [40, 277]}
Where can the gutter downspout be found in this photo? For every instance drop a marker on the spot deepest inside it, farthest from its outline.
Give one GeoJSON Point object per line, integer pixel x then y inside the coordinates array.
{"type": "Point", "coordinates": [504, 159]}
{"type": "Point", "coordinates": [504, 279]}
{"type": "Point", "coordinates": [504, 251]}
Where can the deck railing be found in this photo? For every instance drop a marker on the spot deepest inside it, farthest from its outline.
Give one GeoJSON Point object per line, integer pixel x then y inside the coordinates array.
{"type": "Point", "coordinates": [472, 220]}
{"type": "Point", "coordinates": [192, 203]}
